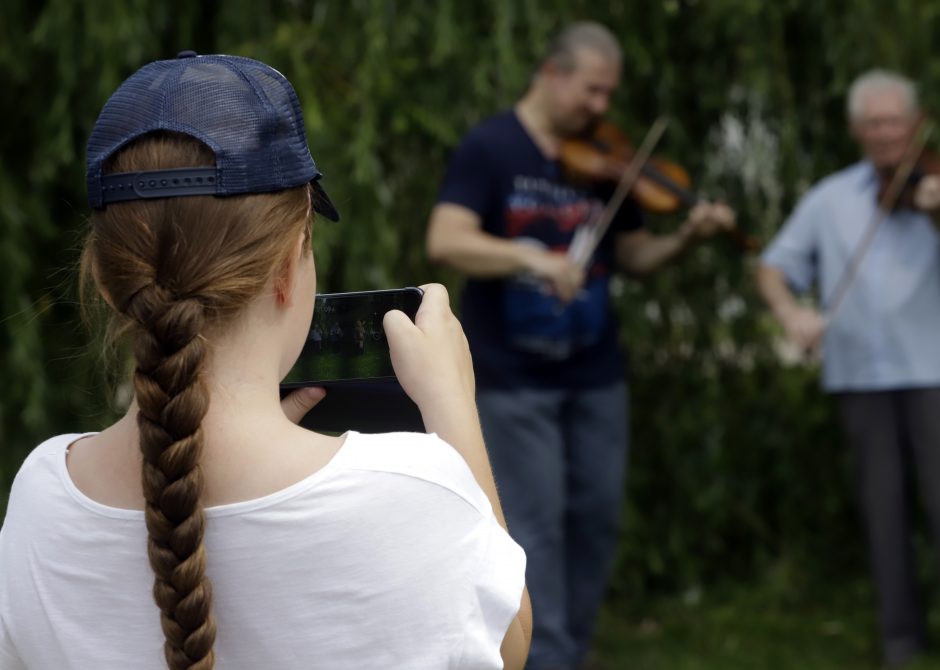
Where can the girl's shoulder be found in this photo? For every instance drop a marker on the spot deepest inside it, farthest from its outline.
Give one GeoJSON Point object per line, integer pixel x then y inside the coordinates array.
{"type": "Point", "coordinates": [421, 456]}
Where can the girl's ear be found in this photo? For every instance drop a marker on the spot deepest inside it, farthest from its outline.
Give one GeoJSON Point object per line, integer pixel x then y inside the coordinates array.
{"type": "Point", "coordinates": [284, 282]}
{"type": "Point", "coordinates": [284, 278]}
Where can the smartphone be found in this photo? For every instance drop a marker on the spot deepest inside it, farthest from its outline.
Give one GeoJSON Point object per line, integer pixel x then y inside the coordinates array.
{"type": "Point", "coordinates": [346, 341]}
{"type": "Point", "coordinates": [347, 353]}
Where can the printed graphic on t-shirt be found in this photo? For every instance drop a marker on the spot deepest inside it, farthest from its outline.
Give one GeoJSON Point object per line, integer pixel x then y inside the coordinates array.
{"type": "Point", "coordinates": [547, 214]}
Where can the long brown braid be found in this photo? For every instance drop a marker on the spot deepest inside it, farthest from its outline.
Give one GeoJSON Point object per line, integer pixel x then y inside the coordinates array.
{"type": "Point", "coordinates": [175, 270]}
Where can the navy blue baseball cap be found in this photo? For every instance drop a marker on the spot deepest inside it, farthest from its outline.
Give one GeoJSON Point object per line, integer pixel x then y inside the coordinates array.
{"type": "Point", "coordinates": [243, 110]}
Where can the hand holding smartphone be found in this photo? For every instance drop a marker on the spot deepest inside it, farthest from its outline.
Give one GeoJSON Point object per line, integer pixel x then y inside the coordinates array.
{"type": "Point", "coordinates": [347, 353]}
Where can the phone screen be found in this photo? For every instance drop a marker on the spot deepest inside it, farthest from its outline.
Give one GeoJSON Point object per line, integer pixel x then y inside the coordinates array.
{"type": "Point", "coordinates": [346, 339]}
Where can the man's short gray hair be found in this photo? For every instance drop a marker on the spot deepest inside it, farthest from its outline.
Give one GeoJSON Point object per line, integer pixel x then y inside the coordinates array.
{"type": "Point", "coordinates": [583, 34]}
{"type": "Point", "coordinates": [876, 81]}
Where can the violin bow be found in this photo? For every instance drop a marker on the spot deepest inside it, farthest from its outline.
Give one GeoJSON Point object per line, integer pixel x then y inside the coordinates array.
{"type": "Point", "coordinates": [887, 203]}
{"type": "Point", "coordinates": [581, 252]}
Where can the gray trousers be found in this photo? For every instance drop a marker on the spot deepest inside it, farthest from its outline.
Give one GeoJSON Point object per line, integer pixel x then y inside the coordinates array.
{"type": "Point", "coordinates": [895, 436]}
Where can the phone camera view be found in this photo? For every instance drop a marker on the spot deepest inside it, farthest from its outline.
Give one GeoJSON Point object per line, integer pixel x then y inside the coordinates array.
{"type": "Point", "coordinates": [347, 340]}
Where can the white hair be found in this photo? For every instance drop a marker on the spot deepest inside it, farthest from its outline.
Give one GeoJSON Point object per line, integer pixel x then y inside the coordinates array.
{"type": "Point", "coordinates": [878, 81]}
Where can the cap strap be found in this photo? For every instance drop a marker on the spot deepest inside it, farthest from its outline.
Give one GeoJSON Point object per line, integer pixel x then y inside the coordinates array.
{"type": "Point", "coordinates": [157, 184]}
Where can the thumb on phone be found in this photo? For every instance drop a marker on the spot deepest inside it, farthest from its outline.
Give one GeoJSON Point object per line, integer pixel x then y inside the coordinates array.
{"type": "Point", "coordinates": [431, 357]}
{"type": "Point", "coordinates": [404, 342]}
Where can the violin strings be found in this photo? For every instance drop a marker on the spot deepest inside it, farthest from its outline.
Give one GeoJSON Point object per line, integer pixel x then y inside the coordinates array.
{"type": "Point", "coordinates": [582, 252]}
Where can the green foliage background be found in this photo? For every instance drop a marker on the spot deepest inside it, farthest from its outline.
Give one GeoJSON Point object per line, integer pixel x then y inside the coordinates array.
{"type": "Point", "coordinates": [736, 466]}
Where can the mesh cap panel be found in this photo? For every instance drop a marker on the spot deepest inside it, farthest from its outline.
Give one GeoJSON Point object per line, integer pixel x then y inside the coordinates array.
{"type": "Point", "coordinates": [244, 110]}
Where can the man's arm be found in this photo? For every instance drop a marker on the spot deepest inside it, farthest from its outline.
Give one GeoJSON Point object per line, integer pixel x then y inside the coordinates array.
{"type": "Point", "coordinates": [639, 252]}
{"type": "Point", "coordinates": [455, 238]}
{"type": "Point", "coordinates": [803, 325]}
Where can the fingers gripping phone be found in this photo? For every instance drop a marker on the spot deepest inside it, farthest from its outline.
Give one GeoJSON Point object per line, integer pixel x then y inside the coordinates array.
{"type": "Point", "coordinates": [347, 353]}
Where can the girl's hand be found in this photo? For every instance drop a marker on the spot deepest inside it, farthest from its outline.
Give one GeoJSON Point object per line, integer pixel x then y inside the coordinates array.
{"type": "Point", "coordinates": [430, 356]}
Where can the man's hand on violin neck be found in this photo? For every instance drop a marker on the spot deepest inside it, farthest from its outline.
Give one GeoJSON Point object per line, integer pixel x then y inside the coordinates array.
{"type": "Point", "coordinates": [707, 219]}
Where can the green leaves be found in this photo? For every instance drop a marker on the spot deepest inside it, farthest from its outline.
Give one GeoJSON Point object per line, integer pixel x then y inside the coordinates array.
{"type": "Point", "coordinates": [735, 458]}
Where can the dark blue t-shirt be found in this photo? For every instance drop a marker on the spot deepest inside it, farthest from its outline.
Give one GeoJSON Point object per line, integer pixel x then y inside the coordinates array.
{"type": "Point", "coordinates": [520, 335]}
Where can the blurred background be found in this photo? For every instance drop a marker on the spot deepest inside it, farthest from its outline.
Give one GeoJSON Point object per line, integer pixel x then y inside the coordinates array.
{"type": "Point", "coordinates": [741, 547]}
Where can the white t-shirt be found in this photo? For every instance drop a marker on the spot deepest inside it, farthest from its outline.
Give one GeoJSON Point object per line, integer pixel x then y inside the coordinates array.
{"type": "Point", "coordinates": [387, 557]}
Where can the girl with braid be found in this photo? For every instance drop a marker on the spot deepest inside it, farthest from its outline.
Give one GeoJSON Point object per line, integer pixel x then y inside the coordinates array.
{"type": "Point", "coordinates": [205, 528]}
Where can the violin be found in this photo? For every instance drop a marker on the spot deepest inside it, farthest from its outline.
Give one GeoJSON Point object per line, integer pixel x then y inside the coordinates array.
{"type": "Point", "coordinates": [896, 189]}
{"type": "Point", "coordinates": [661, 187]}
{"type": "Point", "coordinates": [928, 163]}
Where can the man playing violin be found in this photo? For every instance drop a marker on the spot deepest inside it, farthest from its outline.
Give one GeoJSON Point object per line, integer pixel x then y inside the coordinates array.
{"type": "Point", "coordinates": [879, 330]}
{"type": "Point", "coordinates": [550, 378]}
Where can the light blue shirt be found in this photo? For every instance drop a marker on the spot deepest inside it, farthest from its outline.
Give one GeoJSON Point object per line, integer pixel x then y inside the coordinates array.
{"type": "Point", "coordinates": [885, 334]}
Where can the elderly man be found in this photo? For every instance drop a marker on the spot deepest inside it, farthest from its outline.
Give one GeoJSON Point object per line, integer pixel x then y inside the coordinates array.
{"type": "Point", "coordinates": [879, 328]}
